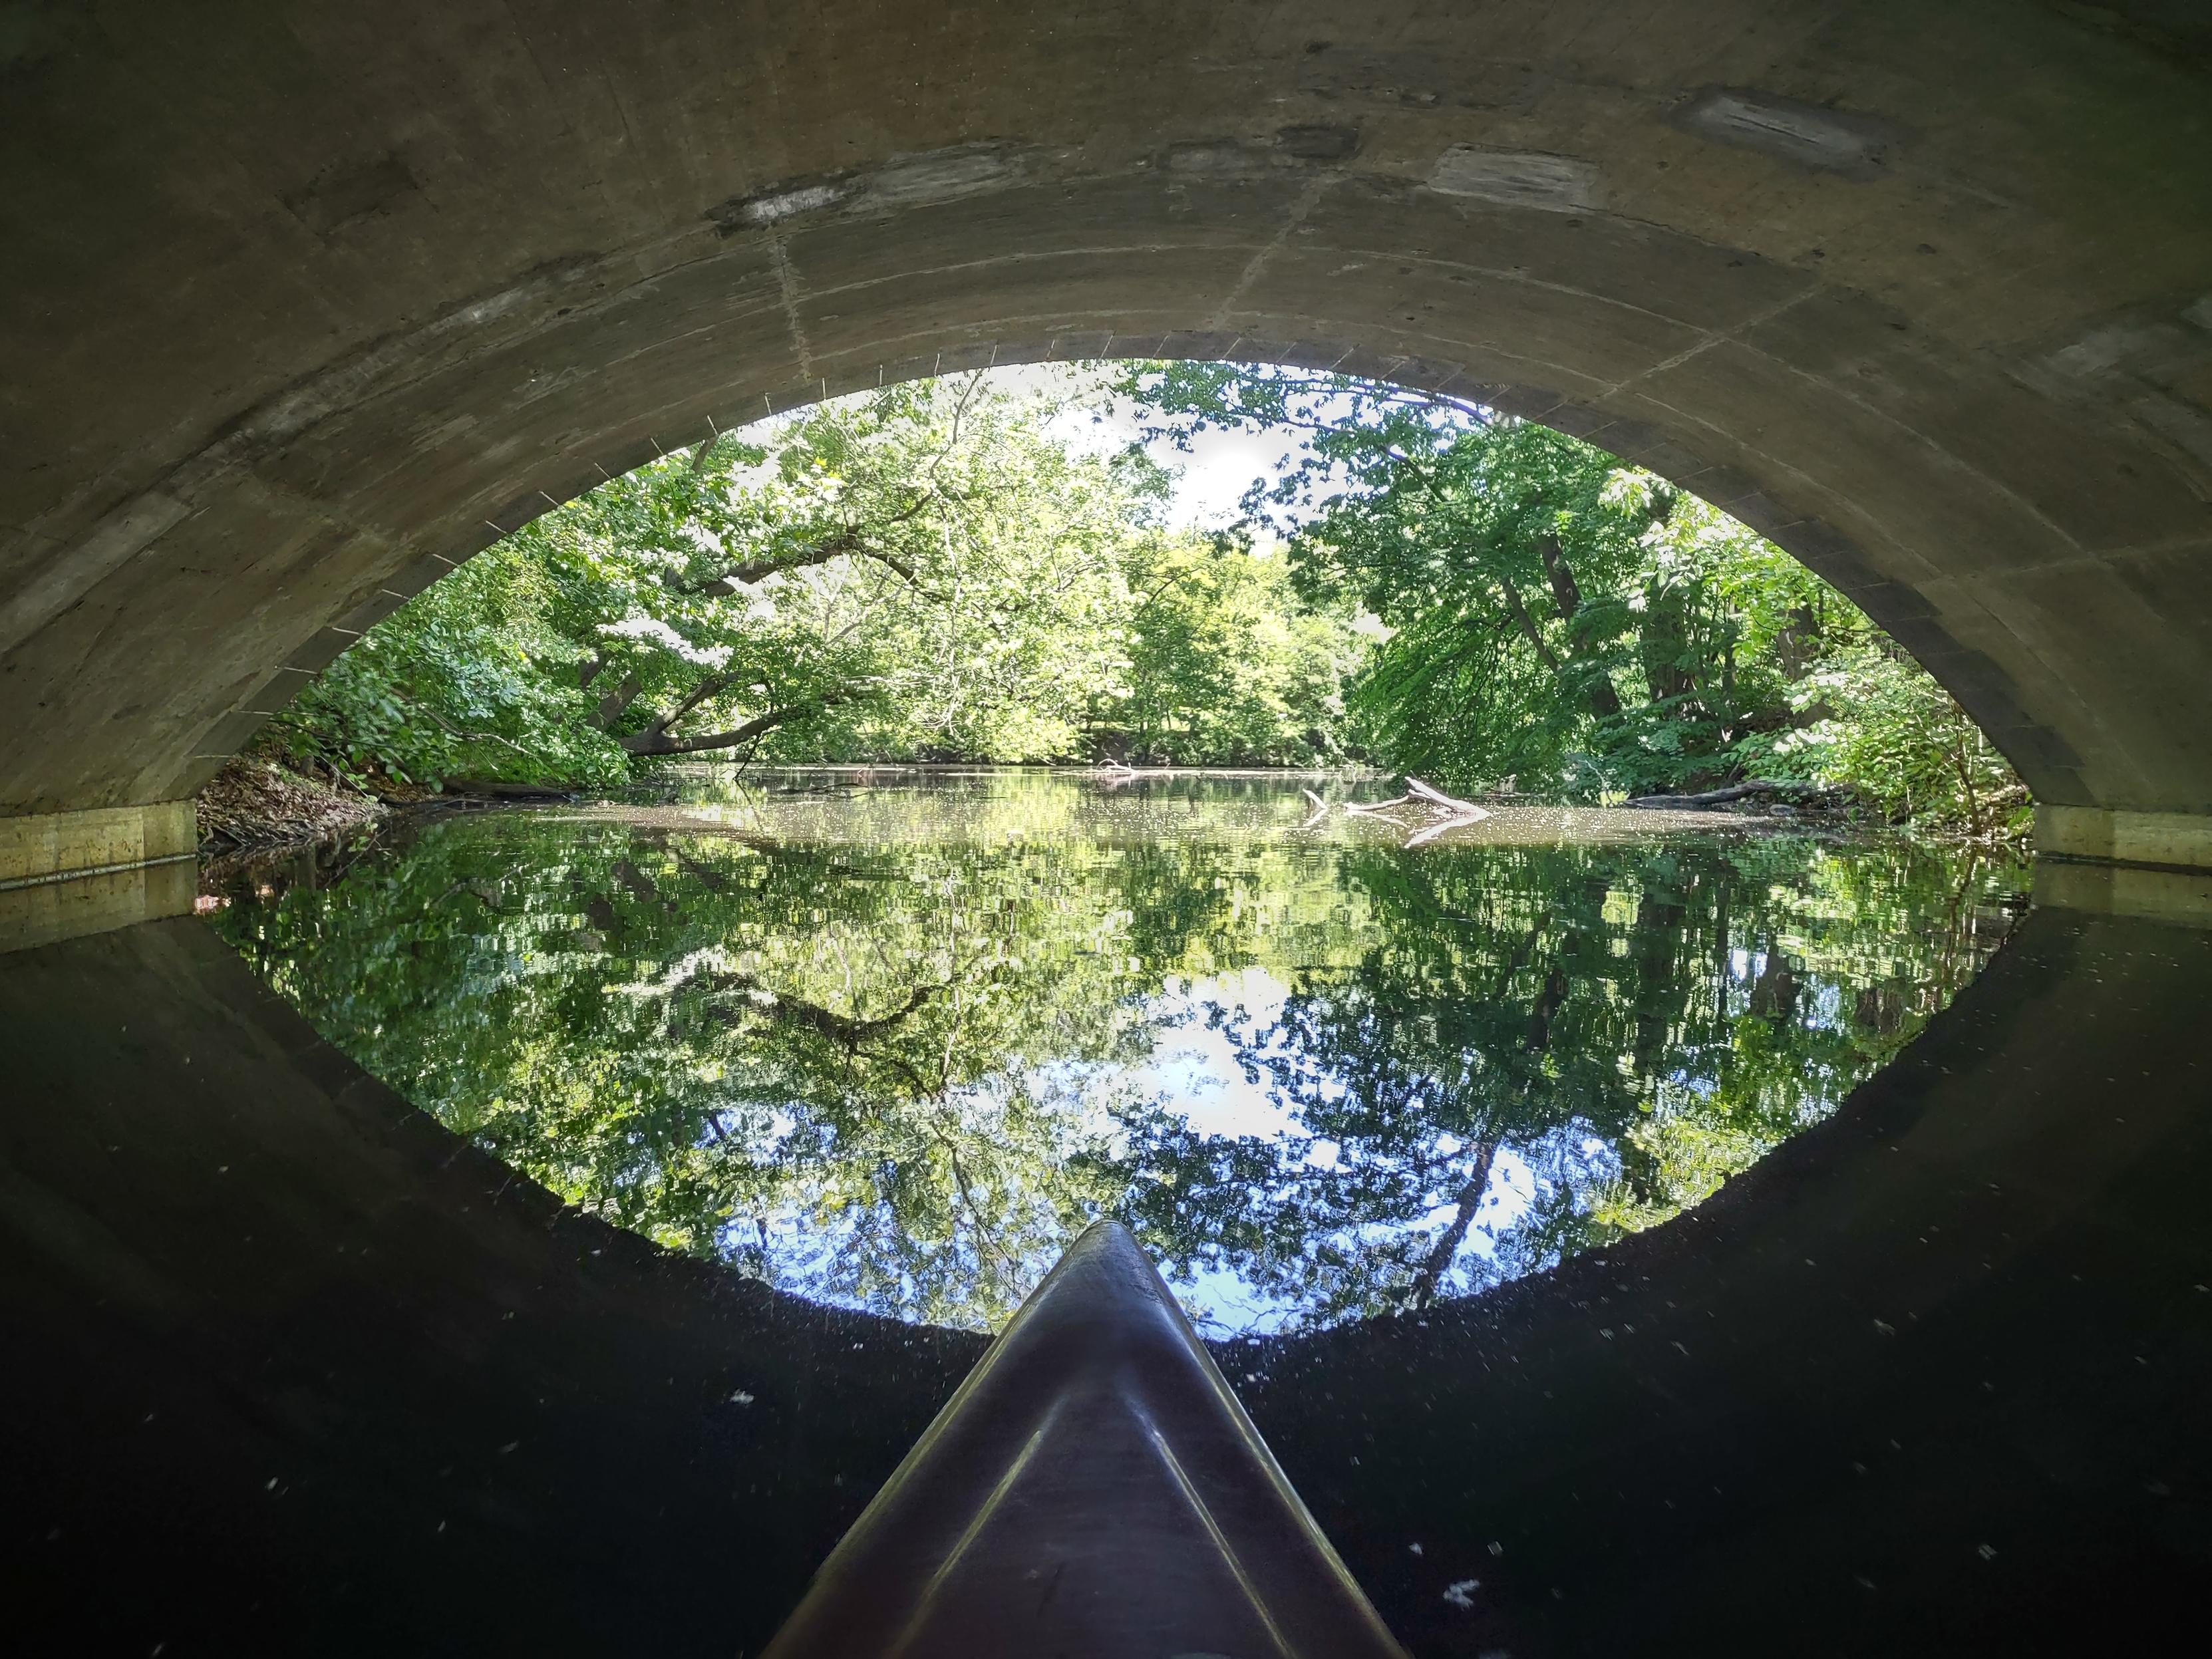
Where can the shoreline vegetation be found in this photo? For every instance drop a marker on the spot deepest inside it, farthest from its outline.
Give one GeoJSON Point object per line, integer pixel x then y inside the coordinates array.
{"type": "Point", "coordinates": [947, 574]}
{"type": "Point", "coordinates": [261, 804]}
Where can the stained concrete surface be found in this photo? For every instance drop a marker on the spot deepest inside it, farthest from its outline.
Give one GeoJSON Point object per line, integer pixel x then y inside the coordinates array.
{"type": "Point", "coordinates": [302, 303]}
{"type": "Point", "coordinates": [291, 1369]}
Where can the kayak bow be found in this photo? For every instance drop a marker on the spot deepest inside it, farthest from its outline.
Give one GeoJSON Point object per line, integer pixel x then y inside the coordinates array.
{"type": "Point", "coordinates": [1092, 1490]}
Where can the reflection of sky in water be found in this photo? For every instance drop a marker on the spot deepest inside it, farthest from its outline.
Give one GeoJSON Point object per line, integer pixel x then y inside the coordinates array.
{"type": "Point", "coordinates": [1194, 1068]}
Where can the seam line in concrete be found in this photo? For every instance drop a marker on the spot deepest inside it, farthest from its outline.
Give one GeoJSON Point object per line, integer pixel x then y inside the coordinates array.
{"type": "Point", "coordinates": [786, 287]}
{"type": "Point", "coordinates": [1308, 198]}
{"type": "Point", "coordinates": [1718, 336]}
{"type": "Point", "coordinates": [47, 878]}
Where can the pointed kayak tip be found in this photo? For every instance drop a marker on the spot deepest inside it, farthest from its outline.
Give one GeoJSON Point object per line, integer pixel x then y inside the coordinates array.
{"type": "Point", "coordinates": [1094, 1489]}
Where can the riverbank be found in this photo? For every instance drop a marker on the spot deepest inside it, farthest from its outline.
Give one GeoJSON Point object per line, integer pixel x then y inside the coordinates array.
{"type": "Point", "coordinates": [258, 801]}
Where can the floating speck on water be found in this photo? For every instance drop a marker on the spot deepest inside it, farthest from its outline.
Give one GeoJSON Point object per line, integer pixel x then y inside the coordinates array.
{"type": "Point", "coordinates": [1416, 1548]}
{"type": "Point", "coordinates": [741, 1398]}
{"type": "Point", "coordinates": [1987, 1551]}
{"type": "Point", "coordinates": [1497, 1548]}
{"type": "Point", "coordinates": [1461, 1594]}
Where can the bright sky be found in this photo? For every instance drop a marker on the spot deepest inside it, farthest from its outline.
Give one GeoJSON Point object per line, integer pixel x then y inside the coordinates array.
{"type": "Point", "coordinates": [1215, 474]}
{"type": "Point", "coordinates": [1211, 476]}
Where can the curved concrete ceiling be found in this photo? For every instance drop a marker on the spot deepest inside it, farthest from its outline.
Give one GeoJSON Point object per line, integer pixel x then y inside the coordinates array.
{"type": "Point", "coordinates": [305, 303]}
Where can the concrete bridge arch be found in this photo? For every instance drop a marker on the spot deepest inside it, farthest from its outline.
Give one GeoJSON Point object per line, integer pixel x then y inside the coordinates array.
{"type": "Point", "coordinates": [306, 303]}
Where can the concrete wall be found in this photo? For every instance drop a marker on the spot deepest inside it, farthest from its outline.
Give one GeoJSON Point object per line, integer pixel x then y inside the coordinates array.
{"type": "Point", "coordinates": [305, 303]}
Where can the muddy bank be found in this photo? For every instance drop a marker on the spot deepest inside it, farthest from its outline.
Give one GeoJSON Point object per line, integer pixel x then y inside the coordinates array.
{"type": "Point", "coordinates": [258, 801]}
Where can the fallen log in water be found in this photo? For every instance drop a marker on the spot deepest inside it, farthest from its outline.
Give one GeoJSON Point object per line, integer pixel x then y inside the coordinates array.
{"type": "Point", "coordinates": [1354, 806]}
{"type": "Point", "coordinates": [1456, 807]}
{"type": "Point", "coordinates": [1723, 796]}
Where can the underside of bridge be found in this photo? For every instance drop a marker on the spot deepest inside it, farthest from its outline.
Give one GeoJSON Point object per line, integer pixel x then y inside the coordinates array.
{"type": "Point", "coordinates": [306, 302]}
{"type": "Point", "coordinates": [301, 304]}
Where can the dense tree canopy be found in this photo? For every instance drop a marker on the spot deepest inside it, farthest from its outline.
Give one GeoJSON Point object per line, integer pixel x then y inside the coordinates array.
{"type": "Point", "coordinates": [925, 571]}
{"type": "Point", "coordinates": [1226, 664]}
{"type": "Point", "coordinates": [1562, 622]}
{"type": "Point", "coordinates": [938, 571]}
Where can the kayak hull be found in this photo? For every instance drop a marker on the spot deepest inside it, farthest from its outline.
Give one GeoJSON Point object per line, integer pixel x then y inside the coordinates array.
{"type": "Point", "coordinates": [1094, 1490]}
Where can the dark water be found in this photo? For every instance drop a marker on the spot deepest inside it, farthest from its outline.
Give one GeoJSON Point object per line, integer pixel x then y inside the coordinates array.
{"type": "Point", "coordinates": [894, 1044]}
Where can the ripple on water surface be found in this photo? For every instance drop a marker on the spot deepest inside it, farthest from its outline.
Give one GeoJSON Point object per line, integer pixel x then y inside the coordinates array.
{"type": "Point", "coordinates": [892, 1040]}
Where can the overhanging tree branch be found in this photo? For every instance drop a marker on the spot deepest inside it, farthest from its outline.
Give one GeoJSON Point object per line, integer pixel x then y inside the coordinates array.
{"type": "Point", "coordinates": [658, 742]}
{"type": "Point", "coordinates": [1529, 631]}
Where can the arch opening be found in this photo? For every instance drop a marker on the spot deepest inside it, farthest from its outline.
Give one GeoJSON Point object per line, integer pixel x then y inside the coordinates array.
{"type": "Point", "coordinates": [1850, 336]}
{"type": "Point", "coordinates": [801, 535]}
{"type": "Point", "coordinates": [883, 1038]}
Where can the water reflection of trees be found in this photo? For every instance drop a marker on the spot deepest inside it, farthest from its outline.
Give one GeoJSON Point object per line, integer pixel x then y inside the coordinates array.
{"type": "Point", "coordinates": [903, 1075]}
{"type": "Point", "coordinates": [1632, 1026]}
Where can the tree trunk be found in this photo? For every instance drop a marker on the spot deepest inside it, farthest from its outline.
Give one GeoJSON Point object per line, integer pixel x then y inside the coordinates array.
{"type": "Point", "coordinates": [658, 742]}
{"type": "Point", "coordinates": [1548, 1003]}
{"type": "Point", "coordinates": [612, 706]}
{"type": "Point", "coordinates": [707, 687]}
{"type": "Point", "coordinates": [1728, 793]}
{"type": "Point", "coordinates": [753, 570]}
{"type": "Point", "coordinates": [1423, 1291]}
{"type": "Point", "coordinates": [1662, 643]}
{"type": "Point", "coordinates": [1774, 993]}
{"type": "Point", "coordinates": [852, 540]}
{"type": "Point", "coordinates": [1567, 594]}
{"type": "Point", "coordinates": [1545, 654]}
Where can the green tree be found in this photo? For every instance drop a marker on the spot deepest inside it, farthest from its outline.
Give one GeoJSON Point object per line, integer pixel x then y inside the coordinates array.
{"type": "Point", "coordinates": [1226, 664]}
{"type": "Point", "coordinates": [926, 569]}
{"type": "Point", "coordinates": [1571, 623]}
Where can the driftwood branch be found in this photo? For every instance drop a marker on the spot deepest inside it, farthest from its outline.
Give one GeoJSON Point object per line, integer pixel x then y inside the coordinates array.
{"type": "Point", "coordinates": [1357, 808]}
{"type": "Point", "coordinates": [1466, 808]}
{"type": "Point", "coordinates": [1456, 811]}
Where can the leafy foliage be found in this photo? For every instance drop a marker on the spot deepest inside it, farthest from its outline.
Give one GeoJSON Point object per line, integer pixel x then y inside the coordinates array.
{"type": "Point", "coordinates": [926, 571]}
{"type": "Point", "coordinates": [1226, 665]}
{"type": "Point", "coordinates": [1562, 622]}
{"type": "Point", "coordinates": [934, 571]}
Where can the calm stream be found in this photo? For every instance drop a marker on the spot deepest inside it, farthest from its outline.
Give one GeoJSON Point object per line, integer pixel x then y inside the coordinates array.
{"type": "Point", "coordinates": [892, 1040]}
